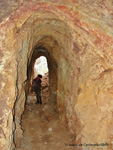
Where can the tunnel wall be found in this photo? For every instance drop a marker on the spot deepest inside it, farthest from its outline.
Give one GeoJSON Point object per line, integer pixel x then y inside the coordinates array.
{"type": "Point", "coordinates": [83, 53]}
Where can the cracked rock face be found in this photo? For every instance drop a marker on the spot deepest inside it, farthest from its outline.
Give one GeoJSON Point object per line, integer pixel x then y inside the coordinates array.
{"type": "Point", "coordinates": [76, 37]}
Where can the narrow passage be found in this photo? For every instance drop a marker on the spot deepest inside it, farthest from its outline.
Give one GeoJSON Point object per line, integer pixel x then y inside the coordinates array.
{"type": "Point", "coordinates": [42, 129]}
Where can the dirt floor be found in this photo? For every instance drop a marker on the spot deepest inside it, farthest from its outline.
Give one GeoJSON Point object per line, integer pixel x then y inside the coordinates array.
{"type": "Point", "coordinates": [42, 128]}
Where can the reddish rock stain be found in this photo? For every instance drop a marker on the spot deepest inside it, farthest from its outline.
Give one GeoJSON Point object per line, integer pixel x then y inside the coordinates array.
{"type": "Point", "coordinates": [74, 1]}
{"type": "Point", "coordinates": [30, 7]}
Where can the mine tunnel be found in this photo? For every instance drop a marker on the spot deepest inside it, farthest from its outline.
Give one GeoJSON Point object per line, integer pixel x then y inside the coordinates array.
{"type": "Point", "coordinates": [76, 38]}
{"type": "Point", "coordinates": [52, 67]}
{"type": "Point", "coordinates": [40, 68]}
{"type": "Point", "coordinates": [51, 106]}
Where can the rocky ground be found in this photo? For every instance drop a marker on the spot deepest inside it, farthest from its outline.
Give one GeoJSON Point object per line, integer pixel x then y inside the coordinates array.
{"type": "Point", "coordinates": [42, 129]}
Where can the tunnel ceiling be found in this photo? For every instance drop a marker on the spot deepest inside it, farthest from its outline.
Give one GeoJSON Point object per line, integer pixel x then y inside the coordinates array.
{"type": "Point", "coordinates": [50, 18]}
{"type": "Point", "coordinates": [78, 35]}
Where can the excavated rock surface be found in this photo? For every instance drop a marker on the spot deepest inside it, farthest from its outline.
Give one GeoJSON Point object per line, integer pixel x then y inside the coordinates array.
{"type": "Point", "coordinates": [42, 128]}
{"type": "Point", "coordinates": [77, 37]}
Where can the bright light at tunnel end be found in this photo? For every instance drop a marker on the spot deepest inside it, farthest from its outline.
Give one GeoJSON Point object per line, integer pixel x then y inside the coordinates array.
{"type": "Point", "coordinates": [41, 66]}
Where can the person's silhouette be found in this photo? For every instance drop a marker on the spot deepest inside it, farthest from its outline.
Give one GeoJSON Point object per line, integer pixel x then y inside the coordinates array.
{"type": "Point", "coordinates": [37, 88]}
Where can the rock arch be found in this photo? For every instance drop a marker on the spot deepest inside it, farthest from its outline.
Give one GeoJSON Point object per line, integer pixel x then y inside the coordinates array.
{"type": "Point", "coordinates": [81, 52]}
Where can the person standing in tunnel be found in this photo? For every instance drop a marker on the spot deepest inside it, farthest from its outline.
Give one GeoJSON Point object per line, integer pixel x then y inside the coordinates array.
{"type": "Point", "coordinates": [37, 88]}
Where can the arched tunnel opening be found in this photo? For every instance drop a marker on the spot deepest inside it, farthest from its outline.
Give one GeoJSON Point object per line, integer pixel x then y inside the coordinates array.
{"type": "Point", "coordinates": [52, 74]}
{"type": "Point", "coordinates": [41, 123]}
{"type": "Point", "coordinates": [41, 68]}
{"type": "Point", "coordinates": [76, 39]}
{"type": "Point", "coordinates": [49, 120]}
